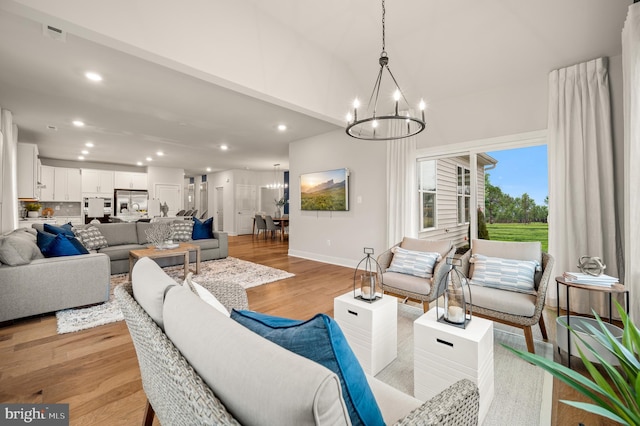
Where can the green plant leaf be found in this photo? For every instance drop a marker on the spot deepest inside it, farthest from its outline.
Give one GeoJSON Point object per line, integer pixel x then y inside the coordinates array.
{"type": "Point", "coordinates": [596, 410]}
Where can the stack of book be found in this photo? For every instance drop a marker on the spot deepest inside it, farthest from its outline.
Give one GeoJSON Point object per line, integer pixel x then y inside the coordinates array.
{"type": "Point", "coordinates": [586, 279]}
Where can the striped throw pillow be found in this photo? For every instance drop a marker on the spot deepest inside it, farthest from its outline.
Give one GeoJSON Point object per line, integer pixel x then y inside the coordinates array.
{"type": "Point", "coordinates": [504, 274]}
{"type": "Point", "coordinates": [417, 263]}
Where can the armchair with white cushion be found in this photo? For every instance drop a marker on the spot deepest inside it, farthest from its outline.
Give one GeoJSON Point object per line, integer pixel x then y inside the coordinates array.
{"type": "Point", "coordinates": [508, 283]}
{"type": "Point", "coordinates": [413, 268]}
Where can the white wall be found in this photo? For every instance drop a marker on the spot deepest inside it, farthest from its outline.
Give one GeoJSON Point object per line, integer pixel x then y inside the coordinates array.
{"type": "Point", "coordinates": [165, 176]}
{"type": "Point", "coordinates": [228, 179]}
{"type": "Point", "coordinates": [364, 225]}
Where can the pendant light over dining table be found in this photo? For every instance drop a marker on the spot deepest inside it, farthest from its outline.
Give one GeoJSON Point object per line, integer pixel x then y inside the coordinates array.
{"type": "Point", "coordinates": [397, 121]}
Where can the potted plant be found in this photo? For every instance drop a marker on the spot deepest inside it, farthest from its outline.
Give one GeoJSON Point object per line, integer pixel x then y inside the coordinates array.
{"type": "Point", "coordinates": [279, 204]}
{"type": "Point", "coordinates": [33, 209]}
{"type": "Point", "coordinates": [616, 396]}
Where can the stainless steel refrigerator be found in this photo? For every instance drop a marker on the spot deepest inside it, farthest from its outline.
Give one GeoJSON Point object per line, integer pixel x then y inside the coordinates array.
{"type": "Point", "coordinates": [127, 201]}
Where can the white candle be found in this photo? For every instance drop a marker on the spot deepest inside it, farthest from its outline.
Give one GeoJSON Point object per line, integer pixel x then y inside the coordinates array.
{"type": "Point", "coordinates": [366, 292]}
{"type": "Point", "coordinates": [455, 314]}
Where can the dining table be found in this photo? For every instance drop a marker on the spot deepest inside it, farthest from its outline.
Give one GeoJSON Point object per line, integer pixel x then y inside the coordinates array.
{"type": "Point", "coordinates": [283, 222]}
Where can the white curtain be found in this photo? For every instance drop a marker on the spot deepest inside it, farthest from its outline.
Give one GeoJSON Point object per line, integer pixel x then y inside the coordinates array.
{"type": "Point", "coordinates": [402, 215]}
{"type": "Point", "coordinates": [9, 179]}
{"type": "Point", "coordinates": [631, 79]}
{"type": "Point", "coordinates": [581, 180]}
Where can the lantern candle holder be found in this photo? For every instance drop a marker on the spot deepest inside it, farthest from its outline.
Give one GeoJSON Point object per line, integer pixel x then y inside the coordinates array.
{"type": "Point", "coordinates": [454, 288]}
{"type": "Point", "coordinates": [367, 279]}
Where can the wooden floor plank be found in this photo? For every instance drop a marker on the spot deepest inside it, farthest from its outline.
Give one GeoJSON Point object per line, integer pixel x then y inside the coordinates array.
{"type": "Point", "coordinates": [96, 370]}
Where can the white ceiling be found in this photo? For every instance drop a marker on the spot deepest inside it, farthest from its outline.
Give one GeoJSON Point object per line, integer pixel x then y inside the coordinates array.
{"type": "Point", "coordinates": [438, 49]}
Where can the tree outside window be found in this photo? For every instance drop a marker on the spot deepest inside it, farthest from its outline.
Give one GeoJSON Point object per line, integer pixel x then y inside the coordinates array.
{"type": "Point", "coordinates": [427, 193]}
{"type": "Point", "coordinates": [464, 195]}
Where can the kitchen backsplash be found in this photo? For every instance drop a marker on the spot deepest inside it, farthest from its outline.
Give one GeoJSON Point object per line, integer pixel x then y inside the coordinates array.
{"type": "Point", "coordinates": [59, 208]}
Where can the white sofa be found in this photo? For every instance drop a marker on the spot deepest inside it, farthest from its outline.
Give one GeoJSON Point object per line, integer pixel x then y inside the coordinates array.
{"type": "Point", "coordinates": [198, 366]}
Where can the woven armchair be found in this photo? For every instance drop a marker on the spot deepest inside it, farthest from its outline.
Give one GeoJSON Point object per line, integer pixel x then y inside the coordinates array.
{"type": "Point", "coordinates": [495, 309]}
{"type": "Point", "coordinates": [175, 392]}
{"type": "Point", "coordinates": [422, 290]}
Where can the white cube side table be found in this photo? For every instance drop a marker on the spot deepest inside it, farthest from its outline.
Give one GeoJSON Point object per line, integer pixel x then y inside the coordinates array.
{"type": "Point", "coordinates": [444, 354]}
{"type": "Point", "coordinates": [371, 329]}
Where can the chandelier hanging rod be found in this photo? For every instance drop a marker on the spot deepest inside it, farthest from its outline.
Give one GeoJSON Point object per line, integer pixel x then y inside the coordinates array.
{"type": "Point", "coordinates": [385, 127]}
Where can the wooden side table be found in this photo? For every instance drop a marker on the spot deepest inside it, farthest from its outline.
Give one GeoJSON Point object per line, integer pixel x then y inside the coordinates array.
{"type": "Point", "coordinates": [614, 289]}
{"type": "Point", "coordinates": [370, 328]}
{"type": "Point", "coordinates": [444, 354]}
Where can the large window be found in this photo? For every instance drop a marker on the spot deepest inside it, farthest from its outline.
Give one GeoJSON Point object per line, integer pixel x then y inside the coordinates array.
{"type": "Point", "coordinates": [464, 195]}
{"type": "Point", "coordinates": [427, 192]}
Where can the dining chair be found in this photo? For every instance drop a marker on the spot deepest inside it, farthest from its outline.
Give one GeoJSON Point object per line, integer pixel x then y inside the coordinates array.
{"type": "Point", "coordinates": [271, 226]}
{"type": "Point", "coordinates": [261, 225]}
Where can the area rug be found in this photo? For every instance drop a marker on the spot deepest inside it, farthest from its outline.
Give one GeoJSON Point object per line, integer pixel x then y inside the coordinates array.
{"type": "Point", "coordinates": [522, 391]}
{"type": "Point", "coordinates": [247, 274]}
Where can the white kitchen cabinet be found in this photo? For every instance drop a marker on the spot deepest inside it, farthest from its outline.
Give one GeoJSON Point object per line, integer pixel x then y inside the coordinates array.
{"type": "Point", "coordinates": [47, 176]}
{"type": "Point", "coordinates": [97, 183]}
{"type": "Point", "coordinates": [67, 185]}
{"type": "Point", "coordinates": [60, 184]}
{"type": "Point", "coordinates": [27, 154]}
{"type": "Point", "coordinates": [130, 180]}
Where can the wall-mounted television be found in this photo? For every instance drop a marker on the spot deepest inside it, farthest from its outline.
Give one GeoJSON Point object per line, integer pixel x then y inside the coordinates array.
{"type": "Point", "coordinates": [328, 190]}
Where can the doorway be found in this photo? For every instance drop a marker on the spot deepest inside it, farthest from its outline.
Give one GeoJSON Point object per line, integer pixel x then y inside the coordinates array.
{"type": "Point", "coordinates": [204, 200]}
{"type": "Point", "coordinates": [219, 222]}
{"type": "Point", "coordinates": [246, 202]}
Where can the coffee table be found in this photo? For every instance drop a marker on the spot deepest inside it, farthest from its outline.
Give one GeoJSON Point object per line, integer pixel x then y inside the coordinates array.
{"type": "Point", "coordinates": [444, 354]}
{"type": "Point", "coordinates": [370, 328]}
{"type": "Point", "coordinates": [183, 249]}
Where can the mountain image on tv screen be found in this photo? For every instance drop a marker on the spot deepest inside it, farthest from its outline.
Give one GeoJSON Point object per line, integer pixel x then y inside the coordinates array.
{"type": "Point", "coordinates": [328, 190]}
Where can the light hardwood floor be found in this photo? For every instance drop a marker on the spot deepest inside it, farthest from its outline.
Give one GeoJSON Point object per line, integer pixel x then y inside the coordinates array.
{"type": "Point", "coordinates": [96, 370]}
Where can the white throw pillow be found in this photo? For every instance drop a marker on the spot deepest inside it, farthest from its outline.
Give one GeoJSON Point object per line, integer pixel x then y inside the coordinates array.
{"type": "Point", "coordinates": [417, 263]}
{"type": "Point", "coordinates": [504, 274]}
{"type": "Point", "coordinates": [204, 294]}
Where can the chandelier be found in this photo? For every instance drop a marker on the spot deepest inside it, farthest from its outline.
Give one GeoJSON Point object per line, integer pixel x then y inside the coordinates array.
{"type": "Point", "coordinates": [396, 122]}
{"type": "Point", "coordinates": [277, 183]}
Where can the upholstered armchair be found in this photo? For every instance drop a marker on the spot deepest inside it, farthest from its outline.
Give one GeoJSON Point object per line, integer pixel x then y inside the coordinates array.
{"type": "Point", "coordinates": [412, 284]}
{"type": "Point", "coordinates": [498, 290]}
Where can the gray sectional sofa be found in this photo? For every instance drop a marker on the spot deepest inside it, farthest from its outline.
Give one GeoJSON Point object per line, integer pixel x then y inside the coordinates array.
{"type": "Point", "coordinates": [126, 236]}
{"type": "Point", "coordinates": [123, 237]}
{"type": "Point", "coordinates": [37, 285]}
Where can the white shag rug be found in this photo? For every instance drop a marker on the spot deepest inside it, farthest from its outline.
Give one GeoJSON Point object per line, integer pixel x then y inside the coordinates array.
{"type": "Point", "coordinates": [247, 274]}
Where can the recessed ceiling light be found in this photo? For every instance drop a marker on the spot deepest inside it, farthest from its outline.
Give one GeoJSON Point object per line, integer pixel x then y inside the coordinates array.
{"type": "Point", "coordinates": [80, 157]}
{"type": "Point", "coordinates": [78, 123]}
{"type": "Point", "coordinates": [282, 127]}
{"type": "Point", "coordinates": [89, 144]}
{"type": "Point", "coordinates": [149, 159]}
{"type": "Point", "coordinates": [93, 76]}
{"type": "Point", "coordinates": [224, 147]}
{"type": "Point", "coordinates": [139, 163]}
{"type": "Point", "coordinates": [159, 153]}
{"type": "Point", "coordinates": [85, 152]}
{"type": "Point", "coordinates": [208, 169]}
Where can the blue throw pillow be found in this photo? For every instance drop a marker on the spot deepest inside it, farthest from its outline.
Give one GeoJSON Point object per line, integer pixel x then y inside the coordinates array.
{"type": "Point", "coordinates": [63, 229]}
{"type": "Point", "coordinates": [320, 339]}
{"type": "Point", "coordinates": [44, 239]}
{"type": "Point", "coordinates": [202, 230]}
{"type": "Point", "coordinates": [59, 245]}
